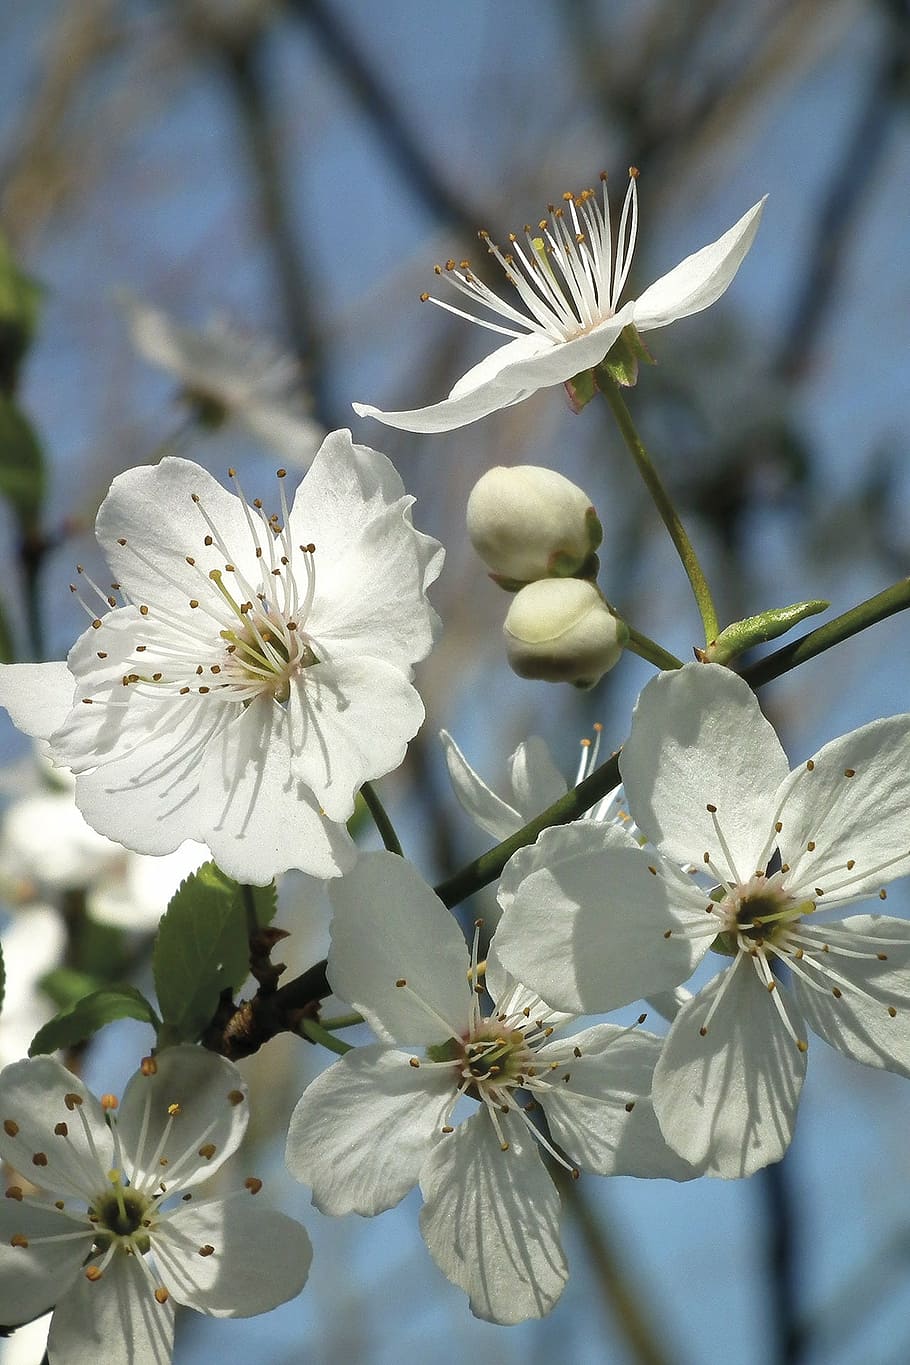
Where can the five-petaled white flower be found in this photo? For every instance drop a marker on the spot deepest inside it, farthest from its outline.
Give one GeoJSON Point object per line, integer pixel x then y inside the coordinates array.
{"type": "Point", "coordinates": [568, 278]}
{"type": "Point", "coordinates": [599, 921]}
{"type": "Point", "coordinates": [260, 672]}
{"type": "Point", "coordinates": [230, 374]}
{"type": "Point", "coordinates": [381, 1119]}
{"type": "Point", "coordinates": [101, 1240]}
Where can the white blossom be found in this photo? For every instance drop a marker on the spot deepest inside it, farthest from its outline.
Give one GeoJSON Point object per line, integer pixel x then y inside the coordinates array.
{"type": "Point", "coordinates": [568, 273]}
{"type": "Point", "coordinates": [259, 671]}
{"type": "Point", "coordinates": [381, 1119]}
{"type": "Point", "coordinates": [102, 1240]}
{"type": "Point", "coordinates": [47, 849]}
{"type": "Point", "coordinates": [229, 374]}
{"type": "Point", "coordinates": [33, 943]}
{"type": "Point", "coordinates": [599, 921]}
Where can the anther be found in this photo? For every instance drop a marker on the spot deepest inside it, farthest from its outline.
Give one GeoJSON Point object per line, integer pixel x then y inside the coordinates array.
{"type": "Point", "coordinates": [883, 894]}
{"type": "Point", "coordinates": [207, 1150]}
{"type": "Point", "coordinates": [711, 809]}
{"type": "Point", "coordinates": [810, 766]}
{"type": "Point", "coordinates": [161, 1295]}
{"type": "Point", "coordinates": [414, 1062]}
{"type": "Point", "coordinates": [61, 1130]}
{"type": "Point", "coordinates": [253, 1184]}
{"type": "Point", "coordinates": [778, 826]}
{"type": "Point", "coordinates": [629, 1106]}
{"type": "Point", "coordinates": [18, 1240]}
{"type": "Point", "coordinates": [810, 846]}
{"type": "Point", "coordinates": [401, 982]}
{"type": "Point", "coordinates": [39, 1159]}
{"type": "Point", "coordinates": [10, 1127]}
{"type": "Point", "coordinates": [207, 1250]}
{"type": "Point", "coordinates": [849, 772]}
{"type": "Point", "coordinates": [235, 1097]}
{"type": "Point", "coordinates": [892, 1012]}
{"type": "Point", "coordinates": [72, 1101]}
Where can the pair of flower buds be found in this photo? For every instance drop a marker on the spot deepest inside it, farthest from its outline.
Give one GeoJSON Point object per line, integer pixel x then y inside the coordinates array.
{"type": "Point", "coordinates": [538, 533]}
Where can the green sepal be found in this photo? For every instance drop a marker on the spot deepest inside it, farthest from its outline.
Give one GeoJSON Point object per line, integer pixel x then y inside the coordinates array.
{"type": "Point", "coordinates": [22, 471]}
{"type": "Point", "coordinates": [624, 357]}
{"type": "Point", "coordinates": [203, 948]}
{"type": "Point", "coordinates": [91, 1013]}
{"type": "Point", "coordinates": [20, 297]}
{"type": "Point", "coordinates": [580, 390]}
{"type": "Point", "coordinates": [735, 639]}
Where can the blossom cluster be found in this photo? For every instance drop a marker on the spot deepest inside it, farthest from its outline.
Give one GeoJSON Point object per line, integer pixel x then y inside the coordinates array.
{"type": "Point", "coordinates": [246, 676]}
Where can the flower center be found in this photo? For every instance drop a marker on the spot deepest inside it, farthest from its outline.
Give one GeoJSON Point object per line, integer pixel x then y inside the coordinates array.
{"type": "Point", "coordinates": [755, 914]}
{"type": "Point", "coordinates": [122, 1215]}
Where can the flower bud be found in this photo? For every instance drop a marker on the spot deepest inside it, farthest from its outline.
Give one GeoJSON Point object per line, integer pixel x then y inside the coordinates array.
{"type": "Point", "coordinates": [527, 522]}
{"type": "Point", "coordinates": [561, 630]}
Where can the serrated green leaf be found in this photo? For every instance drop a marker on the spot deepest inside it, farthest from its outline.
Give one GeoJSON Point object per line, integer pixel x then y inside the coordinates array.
{"type": "Point", "coordinates": [203, 948]}
{"type": "Point", "coordinates": [22, 473]}
{"type": "Point", "coordinates": [90, 1014]}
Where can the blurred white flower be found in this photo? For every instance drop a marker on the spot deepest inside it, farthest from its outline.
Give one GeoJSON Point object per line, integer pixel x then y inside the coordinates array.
{"type": "Point", "coordinates": [102, 1242]}
{"type": "Point", "coordinates": [231, 375]}
{"type": "Point", "coordinates": [380, 1120]}
{"type": "Point", "coordinates": [47, 848]}
{"type": "Point", "coordinates": [260, 671]}
{"type": "Point", "coordinates": [33, 942]}
{"type": "Point", "coordinates": [568, 278]}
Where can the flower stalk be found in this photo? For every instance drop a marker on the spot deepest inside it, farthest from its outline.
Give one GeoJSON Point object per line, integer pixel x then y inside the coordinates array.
{"type": "Point", "coordinates": [662, 501]}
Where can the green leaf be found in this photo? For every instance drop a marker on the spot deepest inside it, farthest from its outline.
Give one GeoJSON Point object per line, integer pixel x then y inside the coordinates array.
{"type": "Point", "coordinates": [735, 639]}
{"type": "Point", "coordinates": [203, 948]}
{"type": "Point", "coordinates": [20, 297]}
{"type": "Point", "coordinates": [91, 1013]}
{"type": "Point", "coordinates": [22, 474]}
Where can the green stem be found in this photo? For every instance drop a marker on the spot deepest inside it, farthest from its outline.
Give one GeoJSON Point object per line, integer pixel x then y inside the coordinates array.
{"type": "Point", "coordinates": [649, 649]}
{"type": "Point", "coordinates": [317, 1034]}
{"type": "Point", "coordinates": [341, 1021]}
{"type": "Point", "coordinates": [661, 499]}
{"type": "Point", "coordinates": [381, 819]}
{"type": "Point", "coordinates": [868, 613]}
{"type": "Point", "coordinates": [489, 865]}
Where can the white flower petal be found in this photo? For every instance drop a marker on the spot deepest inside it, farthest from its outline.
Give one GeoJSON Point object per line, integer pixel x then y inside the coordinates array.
{"type": "Point", "coordinates": [372, 567]}
{"type": "Point", "coordinates": [388, 926]}
{"type": "Point", "coordinates": [512, 373]}
{"type": "Point", "coordinates": [32, 1278]}
{"type": "Point", "coordinates": [588, 924]}
{"type": "Point", "coordinates": [491, 1220]}
{"type": "Point", "coordinates": [727, 1101]}
{"type": "Point", "coordinates": [261, 1258]}
{"type": "Point", "coordinates": [586, 1104]}
{"type": "Point", "coordinates": [858, 1022]}
{"type": "Point", "coordinates": [33, 1102]}
{"type": "Point", "coordinates": [700, 740]}
{"type": "Point", "coordinates": [195, 1099]}
{"type": "Point", "coordinates": [363, 1129]}
{"type": "Point", "coordinates": [259, 818]}
{"type": "Point", "coordinates": [860, 820]}
{"type": "Point", "coordinates": [116, 1319]}
{"type": "Point", "coordinates": [536, 781]}
{"type": "Point", "coordinates": [510, 997]}
{"type": "Point", "coordinates": [700, 279]}
{"type": "Point", "coordinates": [38, 697]}
{"type": "Point", "coordinates": [152, 509]}
{"type": "Point", "coordinates": [479, 802]}
{"type": "Point", "coordinates": [349, 720]}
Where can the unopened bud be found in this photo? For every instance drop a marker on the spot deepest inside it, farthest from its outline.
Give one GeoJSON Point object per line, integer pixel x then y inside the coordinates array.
{"type": "Point", "coordinates": [527, 522]}
{"type": "Point", "coordinates": [561, 630]}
